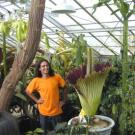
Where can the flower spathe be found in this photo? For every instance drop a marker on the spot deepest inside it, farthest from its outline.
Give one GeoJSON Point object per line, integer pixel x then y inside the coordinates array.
{"type": "Point", "coordinates": [89, 90]}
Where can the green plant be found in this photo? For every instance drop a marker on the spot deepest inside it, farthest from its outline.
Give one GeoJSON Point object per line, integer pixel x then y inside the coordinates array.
{"type": "Point", "coordinates": [89, 90]}
{"type": "Point", "coordinates": [112, 97]}
{"type": "Point", "coordinates": [15, 1]}
{"type": "Point", "coordinates": [126, 11]}
{"type": "Point", "coordinates": [67, 51]}
{"type": "Point", "coordinates": [37, 131]}
{"type": "Point", "coordinates": [89, 83]}
{"type": "Point", "coordinates": [21, 28]}
{"type": "Point", "coordinates": [5, 27]}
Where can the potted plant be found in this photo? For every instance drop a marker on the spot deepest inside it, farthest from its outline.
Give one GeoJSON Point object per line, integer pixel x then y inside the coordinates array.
{"type": "Point", "coordinates": [89, 89]}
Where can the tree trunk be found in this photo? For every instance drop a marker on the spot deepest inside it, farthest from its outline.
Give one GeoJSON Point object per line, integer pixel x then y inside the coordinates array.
{"type": "Point", "coordinates": [25, 57]}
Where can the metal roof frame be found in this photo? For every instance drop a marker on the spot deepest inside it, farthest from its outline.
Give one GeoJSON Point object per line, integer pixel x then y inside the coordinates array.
{"type": "Point", "coordinates": [101, 34]}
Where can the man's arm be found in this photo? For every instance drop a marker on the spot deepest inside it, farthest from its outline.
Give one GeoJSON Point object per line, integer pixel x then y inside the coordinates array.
{"type": "Point", "coordinates": [37, 101]}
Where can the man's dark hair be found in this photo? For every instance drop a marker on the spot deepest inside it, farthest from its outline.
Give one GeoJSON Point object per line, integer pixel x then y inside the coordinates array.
{"type": "Point", "coordinates": [38, 72]}
{"type": "Point", "coordinates": [8, 124]}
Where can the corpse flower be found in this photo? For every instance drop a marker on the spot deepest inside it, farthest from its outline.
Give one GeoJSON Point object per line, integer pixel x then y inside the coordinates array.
{"type": "Point", "coordinates": [89, 85]}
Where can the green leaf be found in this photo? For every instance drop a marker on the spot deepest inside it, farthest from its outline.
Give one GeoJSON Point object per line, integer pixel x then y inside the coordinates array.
{"type": "Point", "coordinates": [47, 41]}
{"type": "Point", "coordinates": [96, 6]}
{"type": "Point", "coordinates": [5, 27]}
{"type": "Point", "coordinates": [38, 130]}
{"type": "Point", "coordinates": [21, 96]}
{"type": "Point", "coordinates": [131, 12]}
{"type": "Point", "coordinates": [99, 4]}
{"type": "Point", "coordinates": [124, 8]}
{"type": "Point", "coordinates": [21, 29]}
{"type": "Point", "coordinates": [115, 1]}
{"type": "Point", "coordinates": [79, 49]}
{"type": "Point", "coordinates": [29, 133]}
{"type": "Point", "coordinates": [114, 109]}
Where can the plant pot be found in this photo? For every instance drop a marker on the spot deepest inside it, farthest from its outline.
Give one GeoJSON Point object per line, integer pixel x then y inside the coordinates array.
{"type": "Point", "coordinates": [96, 130]}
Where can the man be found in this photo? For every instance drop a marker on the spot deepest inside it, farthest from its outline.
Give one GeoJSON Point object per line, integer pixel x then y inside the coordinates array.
{"type": "Point", "coordinates": [48, 85]}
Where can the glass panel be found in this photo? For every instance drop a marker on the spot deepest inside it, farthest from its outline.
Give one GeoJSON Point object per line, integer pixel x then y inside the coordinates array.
{"type": "Point", "coordinates": [64, 20]}
{"type": "Point", "coordinates": [103, 51]}
{"type": "Point", "coordinates": [98, 24]}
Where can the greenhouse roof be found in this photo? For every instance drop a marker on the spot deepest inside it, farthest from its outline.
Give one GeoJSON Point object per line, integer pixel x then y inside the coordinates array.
{"type": "Point", "coordinates": [103, 30]}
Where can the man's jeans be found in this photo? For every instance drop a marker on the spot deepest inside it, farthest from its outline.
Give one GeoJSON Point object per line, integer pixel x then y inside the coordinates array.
{"type": "Point", "coordinates": [48, 123]}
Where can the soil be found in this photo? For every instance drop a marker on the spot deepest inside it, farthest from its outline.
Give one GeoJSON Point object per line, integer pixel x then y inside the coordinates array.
{"type": "Point", "coordinates": [96, 123]}
{"type": "Point", "coordinates": [99, 123]}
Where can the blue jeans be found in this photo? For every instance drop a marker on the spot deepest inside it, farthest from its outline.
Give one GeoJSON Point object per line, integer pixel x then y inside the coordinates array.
{"type": "Point", "coordinates": [48, 123]}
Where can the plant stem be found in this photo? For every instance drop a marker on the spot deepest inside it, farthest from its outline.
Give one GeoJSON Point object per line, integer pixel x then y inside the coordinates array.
{"type": "Point", "coordinates": [89, 61]}
{"type": "Point", "coordinates": [125, 57]}
{"type": "Point", "coordinates": [125, 70]}
{"type": "Point", "coordinates": [4, 55]}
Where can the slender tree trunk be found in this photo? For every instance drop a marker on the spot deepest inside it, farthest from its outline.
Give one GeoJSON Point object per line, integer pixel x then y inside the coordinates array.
{"type": "Point", "coordinates": [25, 57]}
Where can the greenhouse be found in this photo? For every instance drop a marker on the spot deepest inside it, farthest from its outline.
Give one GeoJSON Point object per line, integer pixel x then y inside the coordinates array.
{"type": "Point", "coordinates": [67, 67]}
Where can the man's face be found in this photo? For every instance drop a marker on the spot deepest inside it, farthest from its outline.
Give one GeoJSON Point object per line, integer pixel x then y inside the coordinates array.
{"type": "Point", "coordinates": [44, 67]}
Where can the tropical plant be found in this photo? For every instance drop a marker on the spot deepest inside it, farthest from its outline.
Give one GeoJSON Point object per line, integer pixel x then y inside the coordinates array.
{"type": "Point", "coordinates": [5, 27]}
{"type": "Point", "coordinates": [126, 10]}
{"type": "Point", "coordinates": [67, 51]}
{"type": "Point", "coordinates": [89, 90]}
{"type": "Point", "coordinates": [20, 27]}
{"type": "Point", "coordinates": [15, 1]}
{"type": "Point", "coordinates": [112, 97]}
{"type": "Point", "coordinates": [89, 86]}
{"type": "Point", "coordinates": [37, 131]}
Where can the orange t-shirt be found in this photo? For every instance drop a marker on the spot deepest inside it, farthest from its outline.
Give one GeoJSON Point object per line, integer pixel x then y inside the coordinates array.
{"type": "Point", "coordinates": [48, 88]}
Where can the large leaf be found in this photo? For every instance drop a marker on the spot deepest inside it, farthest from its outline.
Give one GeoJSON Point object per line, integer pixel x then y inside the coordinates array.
{"type": "Point", "coordinates": [124, 8]}
{"type": "Point", "coordinates": [90, 91]}
{"type": "Point", "coordinates": [99, 4]}
{"type": "Point", "coordinates": [5, 27]}
{"type": "Point", "coordinates": [21, 27]}
{"type": "Point", "coordinates": [46, 39]}
{"type": "Point", "coordinates": [21, 96]}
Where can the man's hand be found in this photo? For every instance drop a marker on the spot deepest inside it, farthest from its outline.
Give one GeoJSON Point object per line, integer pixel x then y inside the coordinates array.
{"type": "Point", "coordinates": [62, 103]}
{"type": "Point", "coordinates": [40, 101]}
